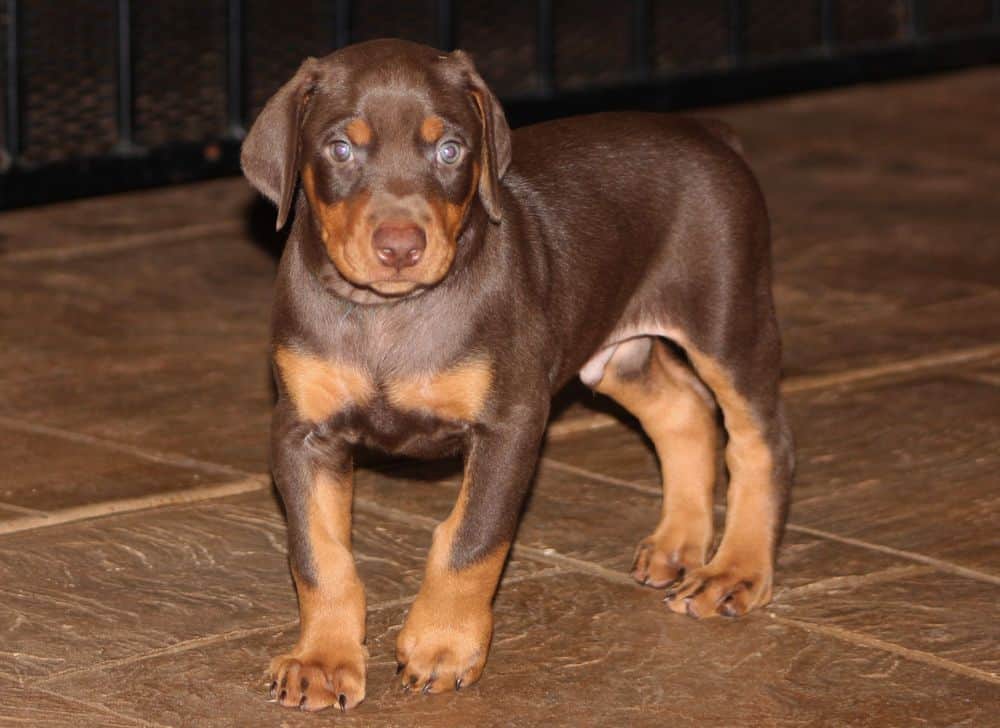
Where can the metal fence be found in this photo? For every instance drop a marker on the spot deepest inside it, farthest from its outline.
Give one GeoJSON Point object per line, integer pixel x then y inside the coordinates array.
{"type": "Point", "coordinates": [108, 95]}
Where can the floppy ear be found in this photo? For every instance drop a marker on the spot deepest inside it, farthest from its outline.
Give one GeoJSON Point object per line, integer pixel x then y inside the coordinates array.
{"type": "Point", "coordinates": [496, 152]}
{"type": "Point", "coordinates": [270, 153]}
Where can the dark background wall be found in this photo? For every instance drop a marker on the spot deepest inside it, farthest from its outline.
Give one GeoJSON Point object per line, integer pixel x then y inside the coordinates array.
{"type": "Point", "coordinates": [106, 95]}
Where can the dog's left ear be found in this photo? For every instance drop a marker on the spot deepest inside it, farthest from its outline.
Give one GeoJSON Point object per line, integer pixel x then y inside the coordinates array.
{"type": "Point", "coordinates": [496, 151]}
{"type": "Point", "coordinates": [270, 153]}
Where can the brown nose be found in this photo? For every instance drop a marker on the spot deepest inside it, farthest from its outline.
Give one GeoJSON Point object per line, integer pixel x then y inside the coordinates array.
{"type": "Point", "coordinates": [399, 245]}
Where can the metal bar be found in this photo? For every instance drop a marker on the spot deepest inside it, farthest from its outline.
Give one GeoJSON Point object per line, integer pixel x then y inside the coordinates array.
{"type": "Point", "coordinates": [640, 39]}
{"type": "Point", "coordinates": [828, 24]}
{"type": "Point", "coordinates": [235, 72]}
{"type": "Point", "coordinates": [12, 132]}
{"type": "Point", "coordinates": [737, 31]}
{"type": "Point", "coordinates": [445, 25]}
{"type": "Point", "coordinates": [343, 23]}
{"type": "Point", "coordinates": [124, 111]}
{"type": "Point", "coordinates": [916, 19]}
{"type": "Point", "coordinates": [545, 48]}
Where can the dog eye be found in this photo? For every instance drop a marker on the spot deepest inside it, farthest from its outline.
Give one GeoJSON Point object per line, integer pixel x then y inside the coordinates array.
{"type": "Point", "coordinates": [449, 152]}
{"type": "Point", "coordinates": [341, 150]}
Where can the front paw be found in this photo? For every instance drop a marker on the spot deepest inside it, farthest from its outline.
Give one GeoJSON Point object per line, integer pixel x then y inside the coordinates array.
{"type": "Point", "coordinates": [727, 587]}
{"type": "Point", "coordinates": [443, 649]}
{"type": "Point", "coordinates": [315, 679]}
{"type": "Point", "coordinates": [661, 561]}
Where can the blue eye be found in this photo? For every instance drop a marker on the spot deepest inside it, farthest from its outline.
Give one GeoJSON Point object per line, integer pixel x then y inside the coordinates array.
{"type": "Point", "coordinates": [341, 150]}
{"type": "Point", "coordinates": [449, 152]}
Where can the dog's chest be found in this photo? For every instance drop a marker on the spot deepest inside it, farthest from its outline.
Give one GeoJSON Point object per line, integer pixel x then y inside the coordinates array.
{"type": "Point", "coordinates": [378, 408]}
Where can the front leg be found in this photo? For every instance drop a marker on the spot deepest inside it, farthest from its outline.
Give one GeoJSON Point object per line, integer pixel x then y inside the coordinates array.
{"type": "Point", "coordinates": [314, 476]}
{"type": "Point", "coordinates": [446, 638]}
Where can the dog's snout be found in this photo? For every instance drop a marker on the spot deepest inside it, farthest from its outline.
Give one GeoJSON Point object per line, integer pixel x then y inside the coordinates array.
{"type": "Point", "coordinates": [399, 245]}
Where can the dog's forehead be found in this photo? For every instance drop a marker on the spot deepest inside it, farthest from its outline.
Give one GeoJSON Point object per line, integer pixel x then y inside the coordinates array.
{"type": "Point", "coordinates": [389, 82]}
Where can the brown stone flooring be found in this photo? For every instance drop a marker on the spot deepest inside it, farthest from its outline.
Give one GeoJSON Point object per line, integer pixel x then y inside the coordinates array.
{"type": "Point", "coordinates": [143, 578]}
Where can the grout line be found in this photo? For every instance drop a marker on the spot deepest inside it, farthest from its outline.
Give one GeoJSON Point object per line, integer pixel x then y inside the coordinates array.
{"type": "Point", "coordinates": [130, 505]}
{"type": "Point", "coordinates": [609, 479]}
{"type": "Point", "coordinates": [162, 458]}
{"type": "Point", "coordinates": [547, 555]}
{"type": "Point", "coordinates": [125, 242]}
{"type": "Point", "coordinates": [852, 581]}
{"type": "Point", "coordinates": [863, 640]}
{"type": "Point", "coordinates": [20, 509]}
{"type": "Point", "coordinates": [221, 638]}
{"type": "Point", "coordinates": [939, 564]}
{"type": "Point", "coordinates": [808, 383]}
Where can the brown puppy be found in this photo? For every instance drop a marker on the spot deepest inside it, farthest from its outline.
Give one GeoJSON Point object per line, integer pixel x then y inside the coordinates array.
{"type": "Point", "coordinates": [444, 277]}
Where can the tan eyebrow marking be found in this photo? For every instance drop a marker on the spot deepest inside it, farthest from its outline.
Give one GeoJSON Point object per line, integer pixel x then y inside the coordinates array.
{"type": "Point", "coordinates": [432, 129]}
{"type": "Point", "coordinates": [359, 132]}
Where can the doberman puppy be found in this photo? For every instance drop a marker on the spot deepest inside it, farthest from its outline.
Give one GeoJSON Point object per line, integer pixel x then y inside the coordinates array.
{"type": "Point", "coordinates": [443, 277]}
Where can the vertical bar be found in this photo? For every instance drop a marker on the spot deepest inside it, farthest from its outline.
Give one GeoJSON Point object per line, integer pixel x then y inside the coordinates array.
{"type": "Point", "coordinates": [124, 109]}
{"type": "Point", "coordinates": [343, 22]}
{"type": "Point", "coordinates": [996, 12]}
{"type": "Point", "coordinates": [545, 48]}
{"type": "Point", "coordinates": [445, 25]}
{"type": "Point", "coordinates": [915, 17]}
{"type": "Point", "coordinates": [737, 31]}
{"type": "Point", "coordinates": [235, 75]}
{"type": "Point", "coordinates": [828, 24]}
{"type": "Point", "coordinates": [640, 39]}
{"type": "Point", "coordinates": [12, 132]}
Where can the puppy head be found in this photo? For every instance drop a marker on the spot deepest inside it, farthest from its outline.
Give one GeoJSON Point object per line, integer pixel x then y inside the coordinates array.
{"type": "Point", "coordinates": [394, 143]}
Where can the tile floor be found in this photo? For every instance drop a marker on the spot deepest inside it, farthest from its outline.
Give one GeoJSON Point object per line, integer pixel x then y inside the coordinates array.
{"type": "Point", "coordinates": [143, 579]}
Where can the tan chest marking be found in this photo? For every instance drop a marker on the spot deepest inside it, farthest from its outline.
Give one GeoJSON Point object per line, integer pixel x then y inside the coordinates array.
{"type": "Point", "coordinates": [458, 393]}
{"type": "Point", "coordinates": [319, 388]}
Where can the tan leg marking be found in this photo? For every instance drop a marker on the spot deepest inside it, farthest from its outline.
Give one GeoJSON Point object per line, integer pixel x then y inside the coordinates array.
{"type": "Point", "coordinates": [741, 573]}
{"type": "Point", "coordinates": [665, 398]}
{"type": "Point", "coordinates": [327, 665]}
{"type": "Point", "coordinates": [458, 393]}
{"type": "Point", "coordinates": [318, 388]}
{"type": "Point", "coordinates": [446, 638]}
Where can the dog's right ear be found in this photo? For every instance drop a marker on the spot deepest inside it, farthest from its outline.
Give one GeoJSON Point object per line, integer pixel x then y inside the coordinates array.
{"type": "Point", "coordinates": [270, 153]}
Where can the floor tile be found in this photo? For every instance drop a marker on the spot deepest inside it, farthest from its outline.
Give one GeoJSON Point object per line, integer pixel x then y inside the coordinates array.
{"type": "Point", "coordinates": [110, 588]}
{"type": "Point", "coordinates": [948, 616]}
{"type": "Point", "coordinates": [570, 651]}
{"type": "Point", "coordinates": [164, 348]}
{"type": "Point", "coordinates": [97, 220]}
{"type": "Point", "coordinates": [911, 465]}
{"type": "Point", "coordinates": [45, 472]}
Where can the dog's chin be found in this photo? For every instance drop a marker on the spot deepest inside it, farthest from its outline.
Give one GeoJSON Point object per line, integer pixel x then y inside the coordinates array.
{"type": "Point", "coordinates": [395, 288]}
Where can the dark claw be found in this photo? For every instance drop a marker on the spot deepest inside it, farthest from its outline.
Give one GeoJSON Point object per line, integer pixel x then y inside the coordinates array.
{"type": "Point", "coordinates": [343, 702]}
{"type": "Point", "coordinates": [399, 667]}
{"type": "Point", "coordinates": [282, 696]}
{"type": "Point", "coordinates": [304, 684]}
{"type": "Point", "coordinates": [284, 681]}
{"type": "Point", "coordinates": [427, 686]}
{"type": "Point", "coordinates": [274, 686]}
{"type": "Point", "coordinates": [458, 684]}
{"type": "Point", "coordinates": [302, 703]}
{"type": "Point", "coordinates": [728, 610]}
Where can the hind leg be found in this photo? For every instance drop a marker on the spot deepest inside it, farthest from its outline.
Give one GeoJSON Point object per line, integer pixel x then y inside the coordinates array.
{"type": "Point", "coordinates": [760, 461]}
{"type": "Point", "coordinates": [677, 415]}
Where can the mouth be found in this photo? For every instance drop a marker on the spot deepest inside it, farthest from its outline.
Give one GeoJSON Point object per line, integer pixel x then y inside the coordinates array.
{"type": "Point", "coordinates": [394, 288]}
